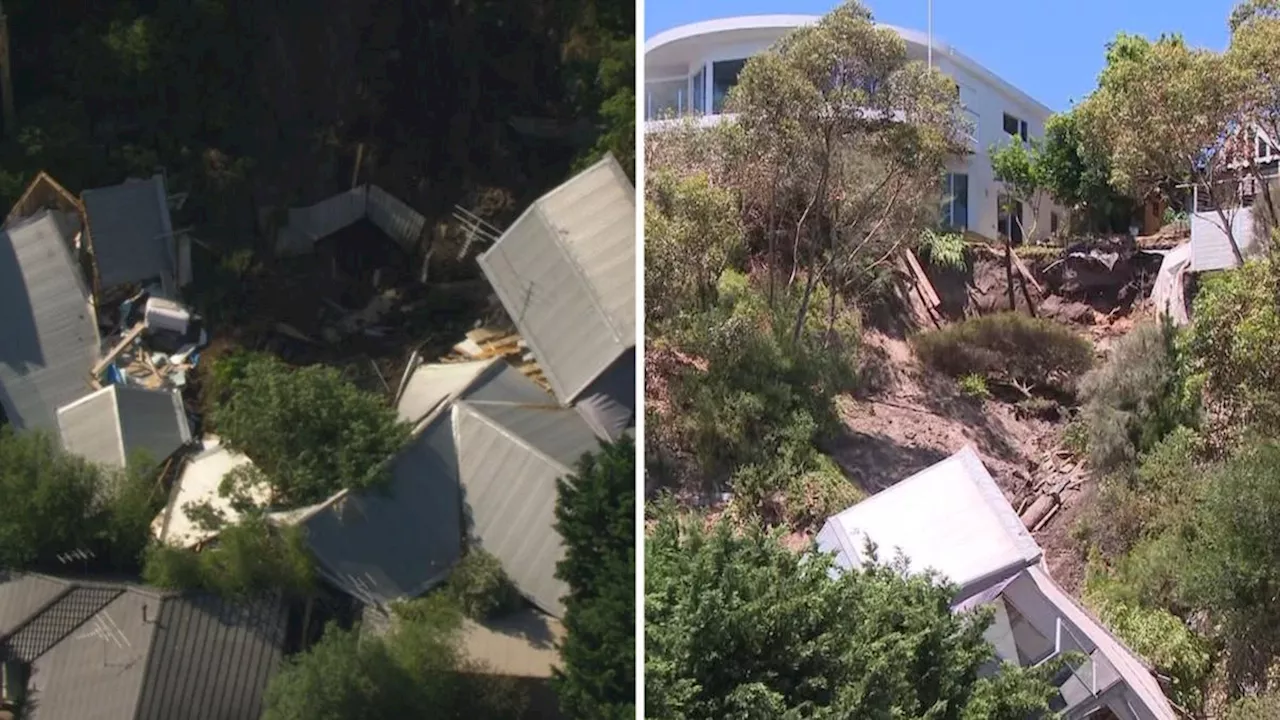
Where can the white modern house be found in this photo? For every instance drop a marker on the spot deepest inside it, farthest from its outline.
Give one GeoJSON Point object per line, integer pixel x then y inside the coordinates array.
{"type": "Point", "coordinates": [952, 518]}
{"type": "Point", "coordinates": [690, 69]}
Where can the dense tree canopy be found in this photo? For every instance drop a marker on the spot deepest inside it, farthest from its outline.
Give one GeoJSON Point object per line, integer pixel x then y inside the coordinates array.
{"type": "Point", "coordinates": [595, 515]}
{"type": "Point", "coordinates": [1077, 174]}
{"type": "Point", "coordinates": [737, 625]}
{"type": "Point", "coordinates": [52, 503]}
{"type": "Point", "coordinates": [309, 431]}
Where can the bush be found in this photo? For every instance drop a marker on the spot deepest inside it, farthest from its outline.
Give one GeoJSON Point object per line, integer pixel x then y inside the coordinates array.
{"type": "Point", "coordinates": [1157, 635]}
{"type": "Point", "coordinates": [1008, 346]}
{"type": "Point", "coordinates": [481, 588]}
{"type": "Point", "coordinates": [765, 401]}
{"type": "Point", "coordinates": [737, 625]}
{"type": "Point", "coordinates": [311, 432]}
{"type": "Point", "coordinates": [1148, 501]}
{"type": "Point", "coordinates": [1135, 398]}
{"type": "Point", "coordinates": [1234, 343]}
{"type": "Point", "coordinates": [1262, 707]}
{"type": "Point", "coordinates": [975, 386]}
{"type": "Point", "coordinates": [247, 558]}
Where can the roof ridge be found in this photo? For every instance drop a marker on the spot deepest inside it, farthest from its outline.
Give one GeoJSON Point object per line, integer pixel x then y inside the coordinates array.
{"type": "Point", "coordinates": [507, 432]}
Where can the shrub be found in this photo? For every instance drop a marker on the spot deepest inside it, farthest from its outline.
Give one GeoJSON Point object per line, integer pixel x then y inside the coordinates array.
{"type": "Point", "coordinates": [1158, 636]}
{"type": "Point", "coordinates": [975, 386]}
{"type": "Point", "coordinates": [1234, 343]}
{"type": "Point", "coordinates": [480, 586]}
{"type": "Point", "coordinates": [1147, 501]}
{"type": "Point", "coordinates": [247, 558]}
{"type": "Point", "coordinates": [1261, 707]}
{"type": "Point", "coordinates": [1135, 398]}
{"type": "Point", "coordinates": [738, 625]}
{"type": "Point", "coordinates": [1007, 346]}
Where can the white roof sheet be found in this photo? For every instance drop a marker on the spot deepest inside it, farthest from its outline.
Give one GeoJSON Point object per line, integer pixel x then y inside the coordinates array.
{"type": "Point", "coordinates": [431, 386]}
{"type": "Point", "coordinates": [950, 517]}
{"type": "Point", "coordinates": [199, 482]}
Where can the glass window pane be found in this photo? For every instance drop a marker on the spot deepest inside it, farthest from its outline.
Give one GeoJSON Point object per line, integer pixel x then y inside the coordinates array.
{"type": "Point", "coordinates": [960, 213]}
{"type": "Point", "coordinates": [666, 98]}
{"type": "Point", "coordinates": [699, 96]}
{"type": "Point", "coordinates": [724, 75]}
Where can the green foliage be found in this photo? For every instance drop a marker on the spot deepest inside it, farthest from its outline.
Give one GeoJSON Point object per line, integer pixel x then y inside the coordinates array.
{"type": "Point", "coordinates": [310, 431]}
{"type": "Point", "coordinates": [1158, 636]}
{"type": "Point", "coordinates": [481, 588]}
{"type": "Point", "coordinates": [1148, 501]}
{"type": "Point", "coordinates": [1135, 398]}
{"type": "Point", "coordinates": [943, 249]}
{"type": "Point", "coordinates": [248, 557]}
{"type": "Point", "coordinates": [417, 670]}
{"type": "Point", "coordinates": [737, 625]}
{"type": "Point", "coordinates": [1009, 346]}
{"type": "Point", "coordinates": [1076, 173]}
{"type": "Point", "coordinates": [763, 402]}
{"type": "Point", "coordinates": [1234, 344]}
{"type": "Point", "coordinates": [692, 229]}
{"type": "Point", "coordinates": [1019, 167]}
{"type": "Point", "coordinates": [50, 499]}
{"type": "Point", "coordinates": [1261, 707]}
{"type": "Point", "coordinates": [1233, 561]}
{"type": "Point", "coordinates": [595, 516]}
{"type": "Point", "coordinates": [55, 502]}
{"type": "Point", "coordinates": [975, 386]}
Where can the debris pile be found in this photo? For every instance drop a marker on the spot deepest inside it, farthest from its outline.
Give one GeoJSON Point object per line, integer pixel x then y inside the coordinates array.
{"type": "Point", "coordinates": [487, 343]}
{"type": "Point", "coordinates": [1056, 474]}
{"type": "Point", "coordinates": [156, 345]}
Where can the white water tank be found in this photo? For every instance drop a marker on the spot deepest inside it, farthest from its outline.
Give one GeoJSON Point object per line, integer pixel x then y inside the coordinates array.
{"type": "Point", "coordinates": [166, 315]}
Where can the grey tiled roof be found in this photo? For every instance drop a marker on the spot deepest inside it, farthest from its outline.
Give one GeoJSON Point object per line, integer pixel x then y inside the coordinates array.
{"type": "Point", "coordinates": [22, 595]}
{"type": "Point", "coordinates": [41, 632]}
{"type": "Point", "coordinates": [123, 652]}
{"type": "Point", "coordinates": [130, 231]}
{"type": "Point", "coordinates": [50, 334]}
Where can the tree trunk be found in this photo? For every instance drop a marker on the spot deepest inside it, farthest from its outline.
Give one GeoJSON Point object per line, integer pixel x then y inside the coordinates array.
{"type": "Point", "coordinates": [1008, 272]}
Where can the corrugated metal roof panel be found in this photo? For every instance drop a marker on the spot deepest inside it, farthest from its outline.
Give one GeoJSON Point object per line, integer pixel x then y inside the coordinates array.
{"type": "Point", "coordinates": [212, 660]}
{"type": "Point", "coordinates": [609, 403]}
{"type": "Point", "coordinates": [110, 425]}
{"type": "Point", "coordinates": [131, 232]}
{"type": "Point", "coordinates": [50, 334]}
{"type": "Point", "coordinates": [400, 540]}
{"type": "Point", "coordinates": [430, 386]}
{"type": "Point", "coordinates": [565, 272]}
{"type": "Point", "coordinates": [951, 517]}
{"type": "Point", "coordinates": [22, 595]}
{"type": "Point", "coordinates": [595, 213]}
{"type": "Point", "coordinates": [509, 488]}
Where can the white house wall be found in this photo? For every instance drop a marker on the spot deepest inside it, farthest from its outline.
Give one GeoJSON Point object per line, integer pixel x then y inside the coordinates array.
{"type": "Point", "coordinates": [1210, 246]}
{"type": "Point", "coordinates": [988, 99]}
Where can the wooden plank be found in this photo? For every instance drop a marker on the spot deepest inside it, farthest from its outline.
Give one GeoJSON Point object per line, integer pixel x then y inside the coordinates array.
{"type": "Point", "coordinates": [480, 335]}
{"type": "Point", "coordinates": [1017, 261]}
{"type": "Point", "coordinates": [125, 342]}
{"type": "Point", "coordinates": [927, 290]}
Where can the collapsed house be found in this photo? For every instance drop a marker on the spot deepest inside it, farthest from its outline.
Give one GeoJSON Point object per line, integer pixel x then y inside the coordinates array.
{"type": "Point", "coordinates": [952, 518]}
{"type": "Point", "coordinates": [80, 649]}
{"type": "Point", "coordinates": [67, 266]}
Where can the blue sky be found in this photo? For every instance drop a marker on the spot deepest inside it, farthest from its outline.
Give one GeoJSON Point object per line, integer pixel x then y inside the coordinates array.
{"type": "Point", "coordinates": [1052, 49]}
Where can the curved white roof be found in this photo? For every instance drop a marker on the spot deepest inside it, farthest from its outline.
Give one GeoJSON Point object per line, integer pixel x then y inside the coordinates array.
{"type": "Point", "coordinates": [745, 24]}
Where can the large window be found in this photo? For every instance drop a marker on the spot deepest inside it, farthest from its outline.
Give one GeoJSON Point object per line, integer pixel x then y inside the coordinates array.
{"type": "Point", "coordinates": [699, 87]}
{"type": "Point", "coordinates": [955, 201]}
{"type": "Point", "coordinates": [666, 98]}
{"type": "Point", "coordinates": [724, 75]}
{"type": "Point", "coordinates": [1009, 218]}
{"type": "Point", "coordinates": [1015, 126]}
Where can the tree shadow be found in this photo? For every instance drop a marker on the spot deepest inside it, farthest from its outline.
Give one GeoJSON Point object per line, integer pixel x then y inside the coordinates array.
{"type": "Point", "coordinates": [875, 462]}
